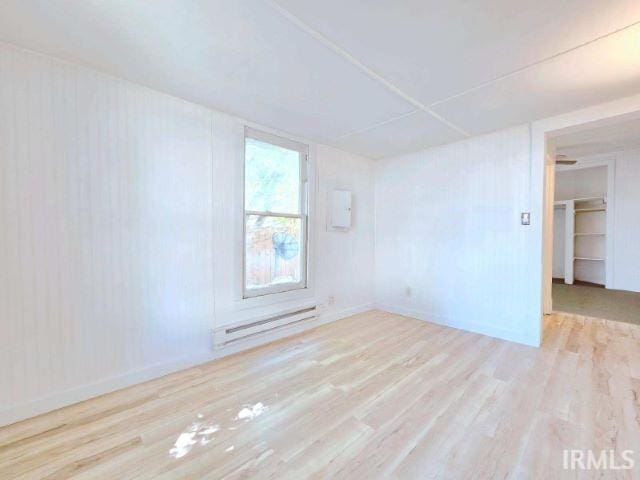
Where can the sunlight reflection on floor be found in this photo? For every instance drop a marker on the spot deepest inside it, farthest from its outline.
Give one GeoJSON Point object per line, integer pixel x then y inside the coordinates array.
{"type": "Point", "coordinates": [202, 433]}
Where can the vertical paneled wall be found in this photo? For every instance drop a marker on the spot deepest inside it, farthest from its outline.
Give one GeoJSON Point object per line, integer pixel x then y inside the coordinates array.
{"type": "Point", "coordinates": [626, 266]}
{"type": "Point", "coordinates": [449, 244]}
{"type": "Point", "coordinates": [345, 258]}
{"type": "Point", "coordinates": [112, 199]}
{"type": "Point", "coordinates": [105, 227]}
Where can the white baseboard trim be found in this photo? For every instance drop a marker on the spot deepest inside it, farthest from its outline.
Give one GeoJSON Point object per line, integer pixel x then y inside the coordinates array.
{"type": "Point", "coordinates": [64, 398]}
{"type": "Point", "coordinates": [483, 329]}
{"type": "Point", "coordinates": [15, 413]}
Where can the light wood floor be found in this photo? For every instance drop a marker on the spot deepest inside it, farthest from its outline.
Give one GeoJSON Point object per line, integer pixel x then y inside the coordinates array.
{"type": "Point", "coordinates": [372, 396]}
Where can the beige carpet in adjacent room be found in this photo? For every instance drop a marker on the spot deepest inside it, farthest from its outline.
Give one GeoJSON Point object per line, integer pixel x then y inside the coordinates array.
{"type": "Point", "coordinates": [597, 302]}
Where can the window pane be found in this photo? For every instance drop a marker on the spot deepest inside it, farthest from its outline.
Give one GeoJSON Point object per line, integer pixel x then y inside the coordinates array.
{"type": "Point", "coordinates": [274, 251]}
{"type": "Point", "coordinates": [272, 178]}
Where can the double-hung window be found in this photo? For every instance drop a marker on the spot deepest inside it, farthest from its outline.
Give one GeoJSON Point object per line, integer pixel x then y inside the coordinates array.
{"type": "Point", "coordinates": [275, 214]}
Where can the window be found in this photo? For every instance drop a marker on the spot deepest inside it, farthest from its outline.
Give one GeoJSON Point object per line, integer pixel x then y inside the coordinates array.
{"type": "Point", "coordinates": [275, 214]}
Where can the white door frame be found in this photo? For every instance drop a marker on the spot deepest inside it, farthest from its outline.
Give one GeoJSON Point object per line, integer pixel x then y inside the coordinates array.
{"type": "Point", "coordinates": [549, 195]}
{"type": "Point", "coordinates": [607, 113]}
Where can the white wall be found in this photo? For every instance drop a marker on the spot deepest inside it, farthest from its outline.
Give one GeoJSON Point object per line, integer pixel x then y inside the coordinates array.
{"type": "Point", "coordinates": [448, 228]}
{"type": "Point", "coordinates": [580, 183]}
{"type": "Point", "coordinates": [115, 204]}
{"type": "Point", "coordinates": [345, 268]}
{"type": "Point", "coordinates": [105, 207]}
{"type": "Point", "coordinates": [626, 224]}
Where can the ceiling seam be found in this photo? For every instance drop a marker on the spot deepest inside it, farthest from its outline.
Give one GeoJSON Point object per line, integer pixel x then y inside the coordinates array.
{"type": "Point", "coordinates": [390, 86]}
{"type": "Point", "coordinates": [379, 124]}
{"type": "Point", "coordinates": [534, 64]}
{"type": "Point", "coordinates": [367, 70]}
{"type": "Point", "coordinates": [447, 122]}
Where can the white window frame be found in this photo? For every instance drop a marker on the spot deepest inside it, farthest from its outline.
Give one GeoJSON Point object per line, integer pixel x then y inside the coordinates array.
{"type": "Point", "coordinates": [303, 151]}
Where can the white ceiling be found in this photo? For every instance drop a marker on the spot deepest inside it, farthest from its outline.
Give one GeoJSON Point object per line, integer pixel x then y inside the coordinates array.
{"type": "Point", "coordinates": [376, 78]}
{"type": "Point", "coordinates": [600, 140]}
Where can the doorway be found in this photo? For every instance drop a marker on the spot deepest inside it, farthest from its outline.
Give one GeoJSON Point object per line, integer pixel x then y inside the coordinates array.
{"type": "Point", "coordinates": [590, 221]}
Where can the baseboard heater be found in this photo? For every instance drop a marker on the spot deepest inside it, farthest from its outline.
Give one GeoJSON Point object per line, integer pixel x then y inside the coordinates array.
{"type": "Point", "coordinates": [258, 326]}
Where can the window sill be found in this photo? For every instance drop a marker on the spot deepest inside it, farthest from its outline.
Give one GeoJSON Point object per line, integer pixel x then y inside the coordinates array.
{"type": "Point", "coordinates": [303, 293]}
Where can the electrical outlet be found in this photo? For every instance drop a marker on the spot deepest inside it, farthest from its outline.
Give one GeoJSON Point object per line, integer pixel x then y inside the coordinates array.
{"type": "Point", "coordinates": [331, 300]}
{"type": "Point", "coordinates": [408, 291]}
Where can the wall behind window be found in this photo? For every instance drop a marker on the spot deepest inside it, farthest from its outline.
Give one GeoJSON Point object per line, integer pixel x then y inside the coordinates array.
{"type": "Point", "coordinates": [345, 265]}
{"type": "Point", "coordinates": [111, 219]}
{"type": "Point", "coordinates": [333, 272]}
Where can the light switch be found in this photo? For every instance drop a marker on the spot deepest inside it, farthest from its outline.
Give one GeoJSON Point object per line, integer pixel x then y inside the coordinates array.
{"type": "Point", "coordinates": [525, 218]}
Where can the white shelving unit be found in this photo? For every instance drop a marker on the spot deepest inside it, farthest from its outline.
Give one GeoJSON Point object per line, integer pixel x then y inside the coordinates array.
{"type": "Point", "coordinates": [585, 238]}
{"type": "Point", "coordinates": [589, 238]}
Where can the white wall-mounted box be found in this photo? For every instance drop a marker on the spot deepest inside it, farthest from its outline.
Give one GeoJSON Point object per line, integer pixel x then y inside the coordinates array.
{"type": "Point", "coordinates": [340, 209]}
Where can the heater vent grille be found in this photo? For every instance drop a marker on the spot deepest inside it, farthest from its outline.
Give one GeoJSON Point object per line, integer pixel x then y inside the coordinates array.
{"type": "Point", "coordinates": [249, 328]}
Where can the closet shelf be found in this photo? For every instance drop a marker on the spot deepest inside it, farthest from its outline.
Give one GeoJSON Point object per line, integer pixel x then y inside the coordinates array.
{"type": "Point", "coordinates": [589, 199]}
{"type": "Point", "coordinates": [595, 209]}
{"type": "Point", "coordinates": [589, 234]}
{"type": "Point", "coordinates": [589, 259]}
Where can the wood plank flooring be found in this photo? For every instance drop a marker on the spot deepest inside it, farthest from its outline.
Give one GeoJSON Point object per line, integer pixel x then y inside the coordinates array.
{"type": "Point", "coordinates": [371, 396]}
